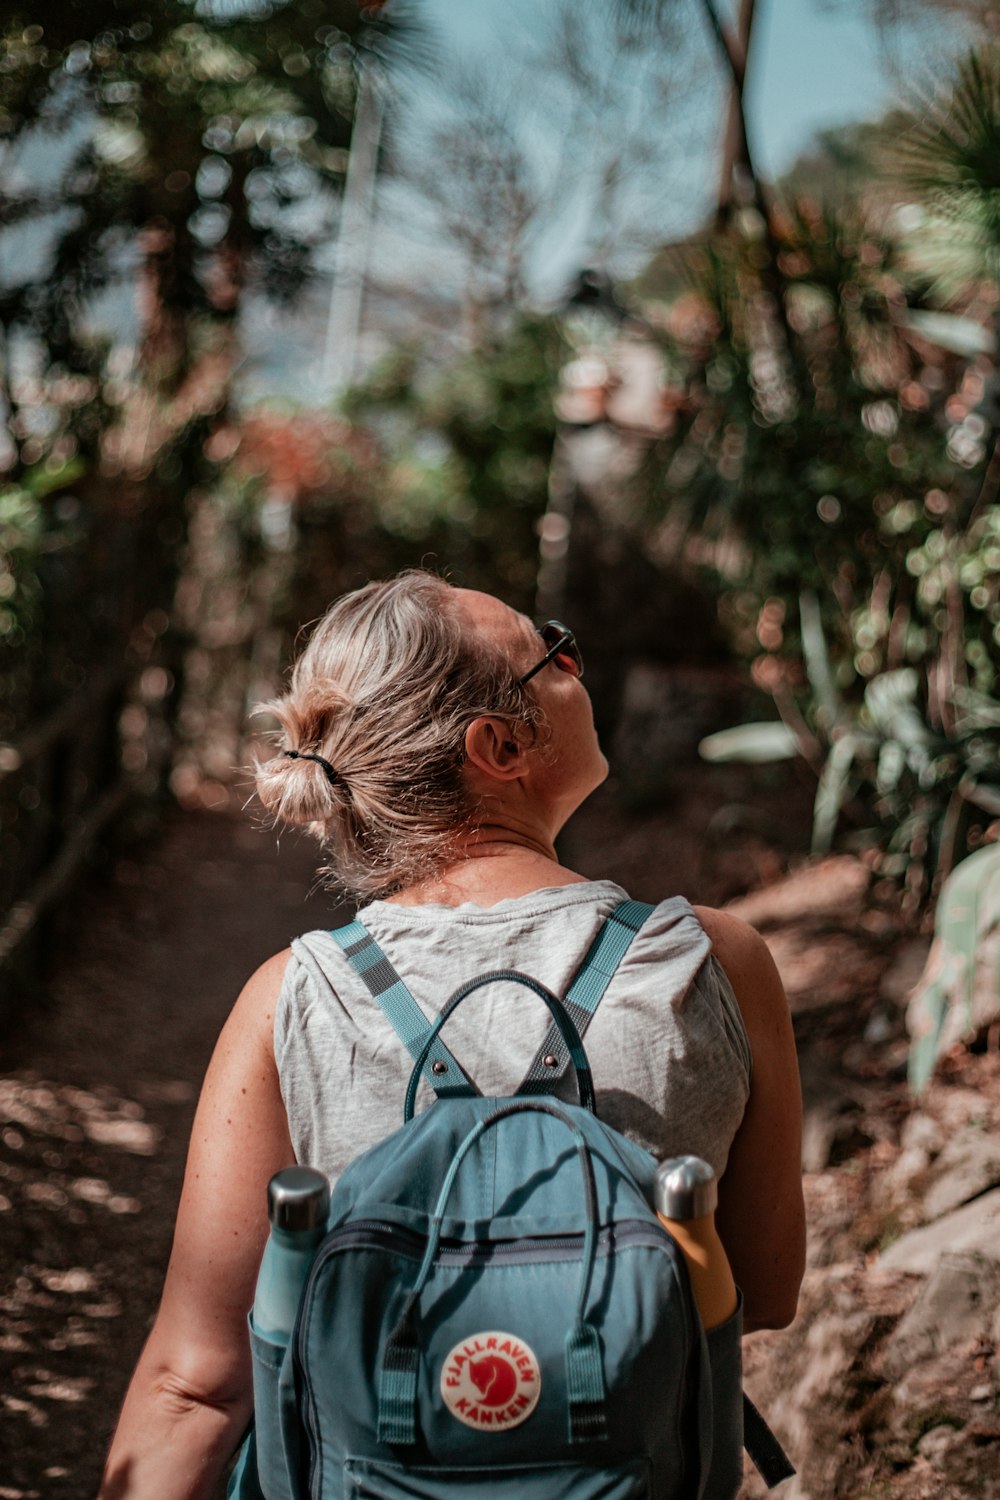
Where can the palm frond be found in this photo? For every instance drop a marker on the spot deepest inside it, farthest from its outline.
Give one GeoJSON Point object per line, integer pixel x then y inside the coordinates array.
{"type": "Point", "coordinates": [953, 142]}
{"type": "Point", "coordinates": [949, 159]}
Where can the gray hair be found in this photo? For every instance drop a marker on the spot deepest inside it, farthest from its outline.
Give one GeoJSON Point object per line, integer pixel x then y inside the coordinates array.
{"type": "Point", "coordinates": [384, 691]}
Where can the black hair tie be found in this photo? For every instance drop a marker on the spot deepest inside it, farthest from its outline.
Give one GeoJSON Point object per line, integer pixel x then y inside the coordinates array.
{"type": "Point", "coordinates": [330, 771]}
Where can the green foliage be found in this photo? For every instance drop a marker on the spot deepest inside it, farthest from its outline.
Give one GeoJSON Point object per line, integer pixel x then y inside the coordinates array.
{"type": "Point", "coordinates": [750, 744]}
{"type": "Point", "coordinates": [802, 452]}
{"type": "Point", "coordinates": [467, 454]}
{"type": "Point", "coordinates": [21, 529]}
{"type": "Point", "coordinates": [838, 465]}
{"type": "Point", "coordinates": [959, 991]}
{"type": "Point", "coordinates": [193, 152]}
{"type": "Point", "coordinates": [948, 157]}
{"type": "Point", "coordinates": [35, 518]}
{"type": "Point", "coordinates": [160, 160]}
{"type": "Point", "coordinates": [204, 129]}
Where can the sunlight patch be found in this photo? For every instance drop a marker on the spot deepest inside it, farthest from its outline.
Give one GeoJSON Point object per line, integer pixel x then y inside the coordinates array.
{"type": "Point", "coordinates": [71, 1113]}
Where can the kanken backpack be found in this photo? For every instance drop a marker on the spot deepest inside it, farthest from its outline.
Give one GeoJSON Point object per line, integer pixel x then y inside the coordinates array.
{"type": "Point", "coordinates": [496, 1313]}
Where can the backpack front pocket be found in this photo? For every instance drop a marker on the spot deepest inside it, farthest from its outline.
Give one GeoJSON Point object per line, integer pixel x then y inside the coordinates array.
{"type": "Point", "coordinates": [368, 1479]}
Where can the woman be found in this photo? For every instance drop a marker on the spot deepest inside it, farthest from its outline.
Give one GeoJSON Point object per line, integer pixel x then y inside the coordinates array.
{"type": "Point", "coordinates": [437, 746]}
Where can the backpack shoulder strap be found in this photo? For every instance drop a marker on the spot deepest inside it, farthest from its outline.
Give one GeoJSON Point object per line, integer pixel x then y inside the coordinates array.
{"type": "Point", "coordinates": [768, 1456]}
{"type": "Point", "coordinates": [584, 995]}
{"type": "Point", "coordinates": [445, 1075]}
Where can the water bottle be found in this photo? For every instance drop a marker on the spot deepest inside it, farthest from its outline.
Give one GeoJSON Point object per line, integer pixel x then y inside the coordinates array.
{"type": "Point", "coordinates": [298, 1200]}
{"type": "Point", "coordinates": [685, 1195]}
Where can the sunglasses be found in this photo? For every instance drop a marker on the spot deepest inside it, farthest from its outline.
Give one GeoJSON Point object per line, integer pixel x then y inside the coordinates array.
{"type": "Point", "coordinates": [561, 648]}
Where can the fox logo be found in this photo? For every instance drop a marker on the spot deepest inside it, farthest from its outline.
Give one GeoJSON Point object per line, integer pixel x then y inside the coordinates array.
{"type": "Point", "coordinates": [495, 1379]}
{"type": "Point", "coordinates": [491, 1381]}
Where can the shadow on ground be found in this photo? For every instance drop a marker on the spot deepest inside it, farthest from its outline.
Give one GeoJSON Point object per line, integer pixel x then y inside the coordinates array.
{"type": "Point", "coordinates": [97, 1094]}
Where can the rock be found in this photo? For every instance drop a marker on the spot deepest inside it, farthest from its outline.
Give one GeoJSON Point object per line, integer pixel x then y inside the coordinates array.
{"type": "Point", "coordinates": [821, 971]}
{"type": "Point", "coordinates": [963, 1109]}
{"type": "Point", "coordinates": [975, 1227]}
{"type": "Point", "coordinates": [826, 1128]}
{"type": "Point", "coordinates": [814, 928]}
{"type": "Point", "coordinates": [813, 1380]}
{"type": "Point", "coordinates": [920, 1140]}
{"type": "Point", "coordinates": [832, 1110]}
{"type": "Point", "coordinates": [952, 1308]}
{"type": "Point", "coordinates": [906, 968]}
{"type": "Point", "coordinates": [908, 1166]}
{"type": "Point", "coordinates": [879, 1029]}
{"type": "Point", "coordinates": [935, 1444]}
{"type": "Point", "coordinates": [923, 1131]}
{"type": "Point", "coordinates": [827, 890]}
{"type": "Point", "coordinates": [966, 1168]}
{"type": "Point", "coordinates": [824, 1386]}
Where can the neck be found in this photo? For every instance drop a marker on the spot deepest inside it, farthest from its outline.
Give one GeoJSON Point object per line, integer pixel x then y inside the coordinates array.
{"type": "Point", "coordinates": [492, 840]}
{"type": "Point", "coordinates": [496, 863]}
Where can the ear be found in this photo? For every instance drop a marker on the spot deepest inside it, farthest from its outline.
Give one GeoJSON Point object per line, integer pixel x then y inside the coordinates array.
{"type": "Point", "coordinates": [490, 747]}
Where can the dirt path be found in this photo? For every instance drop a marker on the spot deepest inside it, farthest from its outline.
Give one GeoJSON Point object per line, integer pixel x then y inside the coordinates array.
{"type": "Point", "coordinates": [96, 1098]}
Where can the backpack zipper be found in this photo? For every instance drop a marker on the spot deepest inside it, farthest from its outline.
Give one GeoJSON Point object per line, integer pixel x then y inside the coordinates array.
{"type": "Point", "coordinates": [375, 1234]}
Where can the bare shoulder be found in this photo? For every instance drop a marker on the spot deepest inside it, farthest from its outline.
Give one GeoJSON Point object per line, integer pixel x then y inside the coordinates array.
{"type": "Point", "coordinates": [726, 928]}
{"type": "Point", "coordinates": [252, 1016]}
{"type": "Point", "coordinates": [743, 954]}
{"type": "Point", "coordinates": [753, 974]}
{"type": "Point", "coordinates": [265, 983]}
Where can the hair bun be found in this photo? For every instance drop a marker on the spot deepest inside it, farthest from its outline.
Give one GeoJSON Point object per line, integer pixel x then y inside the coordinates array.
{"type": "Point", "coordinates": [293, 792]}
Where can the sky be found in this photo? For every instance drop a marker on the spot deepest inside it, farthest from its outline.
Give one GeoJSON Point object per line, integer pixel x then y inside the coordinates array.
{"type": "Point", "coordinates": [814, 68]}
{"type": "Point", "coordinates": [815, 63]}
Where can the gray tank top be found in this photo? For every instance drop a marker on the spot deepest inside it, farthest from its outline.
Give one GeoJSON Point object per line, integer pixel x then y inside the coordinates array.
{"type": "Point", "coordinates": [668, 1048]}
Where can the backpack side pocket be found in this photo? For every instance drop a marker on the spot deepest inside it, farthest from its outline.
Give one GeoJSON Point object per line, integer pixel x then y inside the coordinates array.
{"type": "Point", "coordinates": [277, 1430]}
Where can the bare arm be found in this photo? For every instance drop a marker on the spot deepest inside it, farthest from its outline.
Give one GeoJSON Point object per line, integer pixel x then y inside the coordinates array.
{"type": "Point", "coordinates": [191, 1395]}
{"type": "Point", "coordinates": [761, 1216]}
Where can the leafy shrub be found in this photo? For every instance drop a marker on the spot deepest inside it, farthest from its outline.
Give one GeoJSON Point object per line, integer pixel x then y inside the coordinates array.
{"type": "Point", "coordinates": [833, 462]}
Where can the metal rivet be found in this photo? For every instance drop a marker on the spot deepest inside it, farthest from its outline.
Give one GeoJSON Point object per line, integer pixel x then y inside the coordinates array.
{"type": "Point", "coordinates": [439, 1067]}
{"type": "Point", "coordinates": [549, 1060]}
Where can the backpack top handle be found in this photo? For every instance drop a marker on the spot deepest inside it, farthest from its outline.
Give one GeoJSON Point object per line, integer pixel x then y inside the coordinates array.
{"type": "Point", "coordinates": [560, 1016]}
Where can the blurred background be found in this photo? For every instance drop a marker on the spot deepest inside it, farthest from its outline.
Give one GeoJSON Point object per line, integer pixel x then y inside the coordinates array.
{"type": "Point", "coordinates": [675, 319]}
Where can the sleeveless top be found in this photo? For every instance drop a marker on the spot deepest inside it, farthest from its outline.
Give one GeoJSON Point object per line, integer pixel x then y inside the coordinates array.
{"type": "Point", "coordinates": [667, 1046]}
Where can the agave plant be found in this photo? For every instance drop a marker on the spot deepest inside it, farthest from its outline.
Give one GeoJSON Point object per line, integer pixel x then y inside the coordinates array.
{"type": "Point", "coordinates": [949, 159]}
{"type": "Point", "coordinates": [958, 993]}
{"type": "Point", "coordinates": [925, 786]}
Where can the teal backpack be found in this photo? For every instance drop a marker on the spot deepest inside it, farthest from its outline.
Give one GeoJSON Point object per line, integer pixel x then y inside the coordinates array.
{"type": "Point", "coordinates": [496, 1312]}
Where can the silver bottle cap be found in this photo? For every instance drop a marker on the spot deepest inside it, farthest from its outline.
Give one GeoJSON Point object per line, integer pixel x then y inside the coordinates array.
{"type": "Point", "coordinates": [685, 1188]}
{"type": "Point", "coordinates": [298, 1198]}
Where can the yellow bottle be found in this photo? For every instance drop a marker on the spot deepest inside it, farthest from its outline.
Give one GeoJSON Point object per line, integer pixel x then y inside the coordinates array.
{"type": "Point", "coordinates": [685, 1195]}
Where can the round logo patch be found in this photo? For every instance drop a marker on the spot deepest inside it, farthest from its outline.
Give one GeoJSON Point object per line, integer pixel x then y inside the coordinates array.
{"type": "Point", "coordinates": [491, 1381]}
